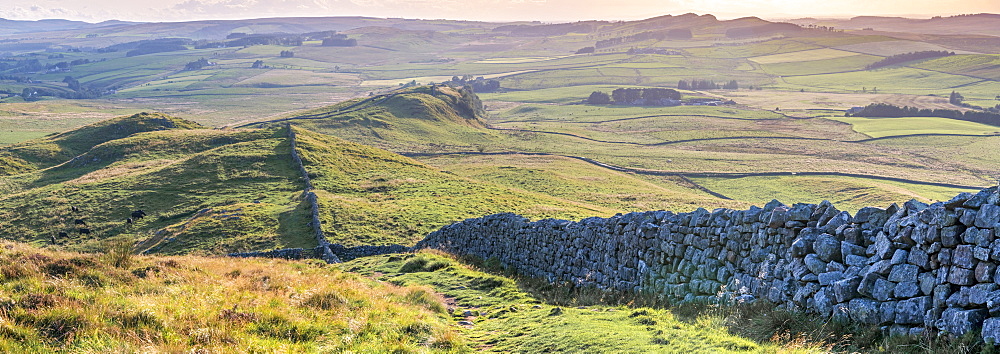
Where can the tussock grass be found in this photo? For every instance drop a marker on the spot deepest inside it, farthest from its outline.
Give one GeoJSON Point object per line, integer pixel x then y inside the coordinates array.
{"type": "Point", "coordinates": [61, 301]}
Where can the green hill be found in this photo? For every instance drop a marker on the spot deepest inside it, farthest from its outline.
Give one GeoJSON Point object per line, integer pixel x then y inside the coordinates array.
{"type": "Point", "coordinates": [368, 195]}
{"type": "Point", "coordinates": [410, 119]}
{"type": "Point", "coordinates": [219, 191]}
{"type": "Point", "coordinates": [203, 190]}
{"type": "Point", "coordinates": [58, 148]}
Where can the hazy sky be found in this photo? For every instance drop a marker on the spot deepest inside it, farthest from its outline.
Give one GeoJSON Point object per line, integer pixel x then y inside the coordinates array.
{"type": "Point", "coordinates": [544, 10]}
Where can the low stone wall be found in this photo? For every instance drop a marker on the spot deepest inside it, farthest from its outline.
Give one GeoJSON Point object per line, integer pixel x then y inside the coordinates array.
{"type": "Point", "coordinates": [287, 253]}
{"type": "Point", "coordinates": [910, 268]}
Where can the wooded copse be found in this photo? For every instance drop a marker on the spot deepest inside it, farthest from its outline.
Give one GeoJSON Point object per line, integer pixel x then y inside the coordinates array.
{"type": "Point", "coordinates": [706, 85]}
{"type": "Point", "coordinates": [891, 111]}
{"type": "Point", "coordinates": [636, 96]}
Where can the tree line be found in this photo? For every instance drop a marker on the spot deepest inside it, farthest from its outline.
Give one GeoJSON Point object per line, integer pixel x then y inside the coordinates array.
{"type": "Point", "coordinates": [635, 96]}
{"type": "Point", "coordinates": [479, 84]}
{"type": "Point", "coordinates": [706, 85]}
{"type": "Point", "coordinates": [905, 57]}
{"type": "Point", "coordinates": [891, 111]}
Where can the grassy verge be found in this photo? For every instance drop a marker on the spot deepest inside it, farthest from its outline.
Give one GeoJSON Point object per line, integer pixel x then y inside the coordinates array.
{"type": "Point", "coordinates": [69, 302]}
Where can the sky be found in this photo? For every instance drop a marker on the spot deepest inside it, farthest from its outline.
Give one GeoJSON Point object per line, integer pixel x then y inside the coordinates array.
{"type": "Point", "coordinates": [483, 10]}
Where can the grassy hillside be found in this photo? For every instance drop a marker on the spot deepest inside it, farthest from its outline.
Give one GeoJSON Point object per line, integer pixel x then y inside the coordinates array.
{"type": "Point", "coordinates": [368, 195]}
{"type": "Point", "coordinates": [412, 119]}
{"type": "Point", "coordinates": [53, 301]}
{"type": "Point", "coordinates": [62, 147]}
{"type": "Point", "coordinates": [203, 190]}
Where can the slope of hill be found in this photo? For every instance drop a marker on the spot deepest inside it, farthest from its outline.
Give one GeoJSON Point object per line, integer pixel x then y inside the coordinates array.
{"type": "Point", "coordinates": [218, 191]}
{"type": "Point", "coordinates": [58, 148]}
{"type": "Point", "coordinates": [203, 190]}
{"type": "Point", "coordinates": [403, 120]}
{"type": "Point", "coordinates": [54, 301]}
{"type": "Point", "coordinates": [371, 196]}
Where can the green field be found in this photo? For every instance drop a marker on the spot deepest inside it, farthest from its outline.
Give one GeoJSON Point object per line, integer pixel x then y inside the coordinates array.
{"type": "Point", "coordinates": [806, 55]}
{"type": "Point", "coordinates": [882, 127]}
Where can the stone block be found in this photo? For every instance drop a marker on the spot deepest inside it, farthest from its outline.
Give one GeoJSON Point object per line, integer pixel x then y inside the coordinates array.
{"type": "Point", "coordinates": [906, 290]}
{"type": "Point", "coordinates": [959, 321]}
{"type": "Point", "coordinates": [911, 311]}
{"type": "Point", "coordinates": [865, 311]}
{"type": "Point", "coordinates": [846, 289]}
{"type": "Point", "coordinates": [903, 272]}
{"type": "Point", "coordinates": [961, 276]}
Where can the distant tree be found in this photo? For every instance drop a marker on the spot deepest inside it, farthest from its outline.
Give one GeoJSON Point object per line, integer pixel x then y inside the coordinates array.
{"type": "Point", "coordinates": [74, 84]}
{"type": "Point", "coordinates": [340, 42]}
{"type": "Point", "coordinates": [197, 64]}
{"type": "Point", "coordinates": [287, 54]}
{"type": "Point", "coordinates": [731, 85]}
{"type": "Point", "coordinates": [259, 64]}
{"type": "Point", "coordinates": [598, 97]}
{"type": "Point", "coordinates": [626, 95]}
{"type": "Point", "coordinates": [955, 98]}
{"type": "Point", "coordinates": [585, 50]}
{"type": "Point", "coordinates": [683, 85]}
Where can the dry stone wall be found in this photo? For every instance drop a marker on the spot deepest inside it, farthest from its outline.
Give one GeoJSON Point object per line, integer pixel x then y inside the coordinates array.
{"type": "Point", "coordinates": [909, 268]}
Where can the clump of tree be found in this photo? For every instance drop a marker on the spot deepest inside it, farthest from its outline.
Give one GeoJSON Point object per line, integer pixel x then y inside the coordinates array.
{"type": "Point", "coordinates": [586, 50]}
{"type": "Point", "coordinates": [636, 96]}
{"type": "Point", "coordinates": [284, 39]}
{"type": "Point", "coordinates": [891, 111]}
{"type": "Point", "coordinates": [339, 40]}
{"type": "Point", "coordinates": [911, 56]}
{"type": "Point", "coordinates": [598, 97]}
{"type": "Point", "coordinates": [159, 46]}
{"type": "Point", "coordinates": [258, 64]}
{"type": "Point", "coordinates": [287, 54]}
{"type": "Point", "coordinates": [478, 84]}
{"type": "Point", "coordinates": [955, 98]}
{"type": "Point", "coordinates": [706, 85]}
{"type": "Point", "coordinates": [197, 64]}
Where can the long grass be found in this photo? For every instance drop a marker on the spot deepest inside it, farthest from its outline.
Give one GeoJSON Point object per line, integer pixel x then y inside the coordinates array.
{"type": "Point", "coordinates": [58, 301]}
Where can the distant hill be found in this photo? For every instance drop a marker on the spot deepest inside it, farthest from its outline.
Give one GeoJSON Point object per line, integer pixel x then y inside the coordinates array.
{"type": "Point", "coordinates": [402, 120]}
{"type": "Point", "coordinates": [62, 147]}
{"type": "Point", "coordinates": [984, 24]}
{"type": "Point", "coordinates": [16, 26]}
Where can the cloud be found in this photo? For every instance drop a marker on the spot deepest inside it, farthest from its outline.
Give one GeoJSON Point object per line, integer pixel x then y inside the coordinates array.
{"type": "Point", "coordinates": [36, 12]}
{"type": "Point", "coordinates": [546, 10]}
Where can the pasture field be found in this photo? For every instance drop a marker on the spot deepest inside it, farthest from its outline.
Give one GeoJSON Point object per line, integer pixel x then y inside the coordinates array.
{"type": "Point", "coordinates": [882, 127]}
{"type": "Point", "coordinates": [837, 102]}
{"type": "Point", "coordinates": [888, 80]}
{"type": "Point", "coordinates": [572, 179]}
{"type": "Point", "coordinates": [824, 66]}
{"type": "Point", "coordinates": [984, 66]}
{"type": "Point", "coordinates": [889, 48]}
{"type": "Point", "coordinates": [806, 55]}
{"type": "Point", "coordinates": [849, 194]}
{"type": "Point", "coordinates": [777, 46]}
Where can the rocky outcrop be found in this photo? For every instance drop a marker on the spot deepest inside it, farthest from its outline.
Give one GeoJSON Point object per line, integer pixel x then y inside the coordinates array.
{"type": "Point", "coordinates": [909, 268]}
